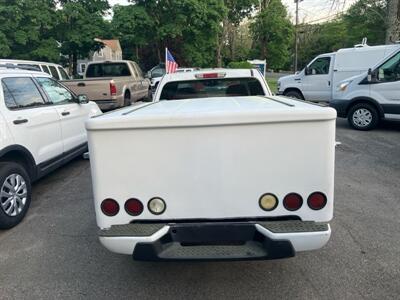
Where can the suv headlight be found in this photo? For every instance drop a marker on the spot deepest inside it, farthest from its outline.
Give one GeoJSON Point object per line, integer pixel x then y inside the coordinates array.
{"type": "Point", "coordinates": [343, 86]}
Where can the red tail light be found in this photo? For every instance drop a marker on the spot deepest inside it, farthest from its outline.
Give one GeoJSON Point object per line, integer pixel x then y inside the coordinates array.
{"type": "Point", "coordinates": [317, 201]}
{"type": "Point", "coordinates": [292, 201]}
{"type": "Point", "coordinates": [109, 207]}
{"type": "Point", "coordinates": [133, 207]}
{"type": "Point", "coordinates": [113, 88]}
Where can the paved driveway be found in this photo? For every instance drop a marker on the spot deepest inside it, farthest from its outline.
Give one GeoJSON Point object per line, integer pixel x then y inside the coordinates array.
{"type": "Point", "coordinates": [54, 253]}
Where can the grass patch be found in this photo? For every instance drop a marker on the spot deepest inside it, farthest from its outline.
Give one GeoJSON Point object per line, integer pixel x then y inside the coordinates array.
{"type": "Point", "coordinates": [272, 83]}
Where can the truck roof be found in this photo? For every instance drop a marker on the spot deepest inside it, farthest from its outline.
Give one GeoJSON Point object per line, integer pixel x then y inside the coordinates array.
{"type": "Point", "coordinates": [212, 111]}
{"type": "Point", "coordinates": [109, 61]}
{"type": "Point", "coordinates": [12, 71]}
{"type": "Point", "coordinates": [213, 74]}
{"type": "Point", "coordinates": [22, 61]}
{"type": "Point", "coordinates": [228, 73]}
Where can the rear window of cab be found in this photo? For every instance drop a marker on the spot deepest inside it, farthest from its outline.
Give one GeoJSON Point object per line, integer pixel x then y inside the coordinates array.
{"type": "Point", "coordinates": [107, 70]}
{"type": "Point", "coordinates": [221, 87]}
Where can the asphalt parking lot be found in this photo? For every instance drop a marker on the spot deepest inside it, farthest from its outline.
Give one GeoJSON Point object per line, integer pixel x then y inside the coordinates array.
{"type": "Point", "coordinates": [54, 253]}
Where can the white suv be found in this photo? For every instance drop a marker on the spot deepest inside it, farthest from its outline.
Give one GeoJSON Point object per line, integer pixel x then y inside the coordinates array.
{"type": "Point", "coordinates": [41, 128]}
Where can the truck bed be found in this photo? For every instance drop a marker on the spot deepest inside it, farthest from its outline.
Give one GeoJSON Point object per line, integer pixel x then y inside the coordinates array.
{"type": "Point", "coordinates": [213, 158]}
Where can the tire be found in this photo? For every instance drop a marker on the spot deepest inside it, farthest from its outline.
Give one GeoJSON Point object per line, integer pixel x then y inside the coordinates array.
{"type": "Point", "coordinates": [294, 94]}
{"type": "Point", "coordinates": [127, 99]}
{"type": "Point", "coordinates": [363, 116]}
{"type": "Point", "coordinates": [13, 175]}
{"type": "Point", "coordinates": [149, 97]}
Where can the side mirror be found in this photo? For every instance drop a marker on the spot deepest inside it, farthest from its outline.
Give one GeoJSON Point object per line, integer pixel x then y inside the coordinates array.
{"type": "Point", "coordinates": [369, 75]}
{"type": "Point", "coordinates": [307, 71]}
{"type": "Point", "coordinates": [83, 99]}
{"type": "Point", "coordinates": [147, 75]}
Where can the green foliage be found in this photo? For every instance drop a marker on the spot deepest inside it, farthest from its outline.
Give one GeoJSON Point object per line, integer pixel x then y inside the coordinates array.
{"type": "Point", "coordinates": [81, 21]}
{"type": "Point", "coordinates": [240, 65]}
{"type": "Point", "coordinates": [188, 27]}
{"type": "Point", "coordinates": [366, 18]}
{"type": "Point", "coordinates": [272, 34]}
{"type": "Point", "coordinates": [200, 33]}
{"type": "Point", "coordinates": [27, 29]}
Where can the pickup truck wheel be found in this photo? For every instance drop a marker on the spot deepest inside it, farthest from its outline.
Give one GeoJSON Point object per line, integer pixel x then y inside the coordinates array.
{"type": "Point", "coordinates": [363, 116]}
{"type": "Point", "coordinates": [127, 99]}
{"type": "Point", "coordinates": [149, 97]}
{"type": "Point", "coordinates": [15, 194]}
{"type": "Point", "coordinates": [294, 94]}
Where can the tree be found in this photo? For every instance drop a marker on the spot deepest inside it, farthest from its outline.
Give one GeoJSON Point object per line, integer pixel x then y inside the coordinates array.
{"type": "Point", "coordinates": [366, 18]}
{"type": "Point", "coordinates": [187, 27]}
{"type": "Point", "coordinates": [28, 30]}
{"type": "Point", "coordinates": [236, 12]}
{"type": "Point", "coordinates": [272, 34]}
{"type": "Point", "coordinates": [81, 21]}
{"type": "Point", "coordinates": [321, 38]}
{"type": "Point", "coordinates": [133, 26]}
{"type": "Point", "coordinates": [393, 21]}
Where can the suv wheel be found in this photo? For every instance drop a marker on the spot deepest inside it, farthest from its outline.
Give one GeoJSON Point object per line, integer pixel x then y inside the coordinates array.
{"type": "Point", "coordinates": [363, 116]}
{"type": "Point", "coordinates": [15, 194]}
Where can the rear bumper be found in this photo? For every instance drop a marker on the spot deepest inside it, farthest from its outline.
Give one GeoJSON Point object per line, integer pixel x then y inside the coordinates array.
{"type": "Point", "coordinates": [108, 104]}
{"type": "Point", "coordinates": [215, 241]}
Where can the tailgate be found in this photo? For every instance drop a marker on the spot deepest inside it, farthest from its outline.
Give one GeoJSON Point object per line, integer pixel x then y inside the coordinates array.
{"type": "Point", "coordinates": [95, 89]}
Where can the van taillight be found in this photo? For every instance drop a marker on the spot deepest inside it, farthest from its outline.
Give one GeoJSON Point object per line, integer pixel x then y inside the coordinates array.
{"type": "Point", "coordinates": [134, 207]}
{"type": "Point", "coordinates": [317, 201]}
{"type": "Point", "coordinates": [109, 207]}
{"type": "Point", "coordinates": [292, 201]}
{"type": "Point", "coordinates": [113, 88]}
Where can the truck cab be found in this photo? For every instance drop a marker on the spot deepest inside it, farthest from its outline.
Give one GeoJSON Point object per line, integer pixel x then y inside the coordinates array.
{"type": "Point", "coordinates": [312, 83]}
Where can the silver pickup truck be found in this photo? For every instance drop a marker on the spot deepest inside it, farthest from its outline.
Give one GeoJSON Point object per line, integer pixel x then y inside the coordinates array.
{"type": "Point", "coordinates": [112, 84]}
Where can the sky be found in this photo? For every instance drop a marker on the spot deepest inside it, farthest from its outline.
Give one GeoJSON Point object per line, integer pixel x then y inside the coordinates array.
{"type": "Point", "coordinates": [310, 11]}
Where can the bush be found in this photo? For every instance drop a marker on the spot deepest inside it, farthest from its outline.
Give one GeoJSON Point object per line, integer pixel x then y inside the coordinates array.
{"type": "Point", "coordinates": [240, 65]}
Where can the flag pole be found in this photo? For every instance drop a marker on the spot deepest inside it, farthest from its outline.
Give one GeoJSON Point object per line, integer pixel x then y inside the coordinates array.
{"type": "Point", "coordinates": [166, 60]}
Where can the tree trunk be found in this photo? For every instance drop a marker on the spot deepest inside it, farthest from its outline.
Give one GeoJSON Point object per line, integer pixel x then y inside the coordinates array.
{"type": "Point", "coordinates": [219, 50]}
{"type": "Point", "coordinates": [160, 59]}
{"type": "Point", "coordinates": [74, 64]}
{"type": "Point", "coordinates": [70, 65]}
{"type": "Point", "coordinates": [393, 29]}
{"type": "Point", "coordinates": [263, 6]}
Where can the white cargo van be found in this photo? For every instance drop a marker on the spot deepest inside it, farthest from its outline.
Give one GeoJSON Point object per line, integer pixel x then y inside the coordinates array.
{"type": "Point", "coordinates": [317, 81]}
{"type": "Point", "coordinates": [372, 96]}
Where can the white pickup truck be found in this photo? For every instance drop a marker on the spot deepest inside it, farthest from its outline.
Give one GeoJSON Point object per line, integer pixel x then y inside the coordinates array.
{"type": "Point", "coordinates": [217, 178]}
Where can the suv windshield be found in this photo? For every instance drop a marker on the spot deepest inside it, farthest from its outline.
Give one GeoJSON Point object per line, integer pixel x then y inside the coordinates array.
{"type": "Point", "coordinates": [212, 88]}
{"type": "Point", "coordinates": [108, 70]}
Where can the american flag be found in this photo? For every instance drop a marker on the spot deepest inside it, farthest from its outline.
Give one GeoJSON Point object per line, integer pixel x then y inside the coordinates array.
{"type": "Point", "coordinates": [170, 63]}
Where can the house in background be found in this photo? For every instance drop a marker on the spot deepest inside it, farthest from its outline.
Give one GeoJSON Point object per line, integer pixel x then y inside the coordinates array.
{"type": "Point", "coordinates": [111, 51]}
